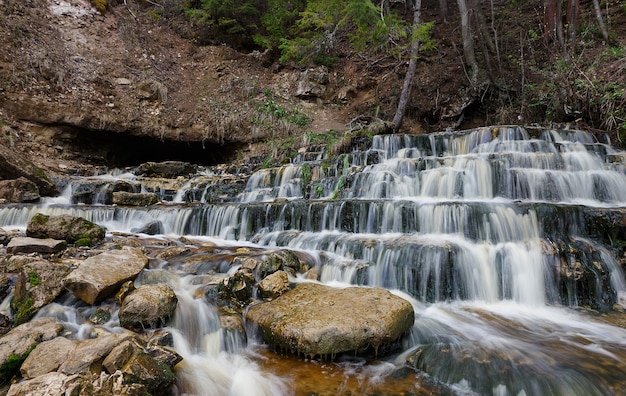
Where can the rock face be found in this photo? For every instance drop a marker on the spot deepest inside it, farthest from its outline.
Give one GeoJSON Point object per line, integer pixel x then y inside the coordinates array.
{"type": "Point", "coordinates": [19, 190]}
{"type": "Point", "coordinates": [35, 245]}
{"type": "Point", "coordinates": [70, 228]}
{"type": "Point", "coordinates": [167, 169]}
{"type": "Point", "coordinates": [148, 306]}
{"type": "Point", "coordinates": [317, 320]}
{"type": "Point", "coordinates": [102, 275]}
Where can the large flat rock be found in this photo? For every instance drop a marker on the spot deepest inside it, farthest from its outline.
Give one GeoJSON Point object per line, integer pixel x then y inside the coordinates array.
{"type": "Point", "coordinates": [318, 320]}
{"type": "Point", "coordinates": [100, 276]}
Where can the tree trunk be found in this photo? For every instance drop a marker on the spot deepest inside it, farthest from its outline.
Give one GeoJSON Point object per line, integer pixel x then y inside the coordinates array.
{"type": "Point", "coordinates": [468, 42]}
{"type": "Point", "coordinates": [605, 33]}
{"type": "Point", "coordinates": [443, 9]}
{"type": "Point", "coordinates": [410, 73]}
{"type": "Point", "coordinates": [573, 10]}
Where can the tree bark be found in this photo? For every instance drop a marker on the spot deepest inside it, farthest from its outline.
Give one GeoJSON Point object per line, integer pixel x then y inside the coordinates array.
{"type": "Point", "coordinates": [468, 42]}
{"type": "Point", "coordinates": [443, 10]}
{"type": "Point", "coordinates": [410, 73]}
{"type": "Point", "coordinates": [605, 32]}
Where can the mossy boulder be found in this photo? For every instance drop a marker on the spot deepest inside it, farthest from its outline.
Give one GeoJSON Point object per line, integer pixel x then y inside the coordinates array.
{"type": "Point", "coordinates": [317, 320]}
{"type": "Point", "coordinates": [69, 228]}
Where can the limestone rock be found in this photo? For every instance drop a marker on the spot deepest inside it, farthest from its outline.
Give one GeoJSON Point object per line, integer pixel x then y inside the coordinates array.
{"type": "Point", "coordinates": [53, 384]}
{"type": "Point", "coordinates": [14, 166]}
{"type": "Point", "coordinates": [134, 199]}
{"type": "Point", "coordinates": [39, 283]}
{"type": "Point", "coordinates": [148, 306]}
{"type": "Point", "coordinates": [35, 245]}
{"type": "Point", "coordinates": [313, 83]}
{"type": "Point", "coordinates": [98, 191]}
{"type": "Point", "coordinates": [100, 276]}
{"type": "Point", "coordinates": [151, 228]}
{"type": "Point", "coordinates": [137, 366]}
{"type": "Point", "coordinates": [166, 169]}
{"type": "Point", "coordinates": [90, 352]}
{"type": "Point", "coordinates": [16, 345]}
{"type": "Point", "coordinates": [19, 190]}
{"type": "Point", "coordinates": [70, 228]}
{"type": "Point", "coordinates": [46, 357]}
{"type": "Point", "coordinates": [318, 320]}
{"type": "Point", "coordinates": [274, 285]}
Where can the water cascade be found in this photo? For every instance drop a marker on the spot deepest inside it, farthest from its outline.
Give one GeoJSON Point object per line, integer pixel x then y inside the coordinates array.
{"type": "Point", "coordinates": [498, 236]}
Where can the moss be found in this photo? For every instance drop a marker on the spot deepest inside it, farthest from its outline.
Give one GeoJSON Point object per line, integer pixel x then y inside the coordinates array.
{"type": "Point", "coordinates": [40, 173]}
{"type": "Point", "coordinates": [24, 311]}
{"type": "Point", "coordinates": [84, 241]}
{"type": "Point", "coordinates": [33, 278]}
{"type": "Point", "coordinates": [40, 218]}
{"type": "Point", "coordinates": [13, 363]}
{"type": "Point", "coordinates": [101, 5]}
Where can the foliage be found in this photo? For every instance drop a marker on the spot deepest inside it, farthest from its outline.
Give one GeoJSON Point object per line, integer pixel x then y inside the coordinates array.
{"type": "Point", "coordinates": [322, 23]}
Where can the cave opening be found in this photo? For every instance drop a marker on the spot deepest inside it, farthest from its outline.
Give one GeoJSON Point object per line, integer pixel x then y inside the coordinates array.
{"type": "Point", "coordinates": [118, 150]}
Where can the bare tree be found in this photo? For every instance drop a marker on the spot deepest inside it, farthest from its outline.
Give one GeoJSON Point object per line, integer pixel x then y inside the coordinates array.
{"type": "Point", "coordinates": [410, 73]}
{"type": "Point", "coordinates": [605, 32]}
{"type": "Point", "coordinates": [468, 42]}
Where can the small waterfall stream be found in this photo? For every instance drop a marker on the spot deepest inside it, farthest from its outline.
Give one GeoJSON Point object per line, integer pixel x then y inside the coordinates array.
{"type": "Point", "coordinates": [498, 237]}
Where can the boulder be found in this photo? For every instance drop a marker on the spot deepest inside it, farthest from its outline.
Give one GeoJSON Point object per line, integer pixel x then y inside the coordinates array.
{"type": "Point", "coordinates": [148, 306]}
{"type": "Point", "coordinates": [39, 283]}
{"type": "Point", "coordinates": [318, 320]}
{"type": "Point", "coordinates": [47, 357]}
{"type": "Point", "coordinates": [97, 191]}
{"type": "Point", "coordinates": [166, 169]}
{"type": "Point", "coordinates": [53, 384]}
{"type": "Point", "coordinates": [90, 353]}
{"type": "Point", "coordinates": [16, 345]}
{"type": "Point", "coordinates": [274, 285]}
{"type": "Point", "coordinates": [100, 276]}
{"type": "Point", "coordinates": [70, 228]}
{"type": "Point", "coordinates": [151, 228]}
{"type": "Point", "coordinates": [19, 190]}
{"type": "Point", "coordinates": [35, 245]}
{"type": "Point", "coordinates": [134, 199]}
{"type": "Point", "coordinates": [137, 366]}
{"type": "Point", "coordinates": [313, 83]}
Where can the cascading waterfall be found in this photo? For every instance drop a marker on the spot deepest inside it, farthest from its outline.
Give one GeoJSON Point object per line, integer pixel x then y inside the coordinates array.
{"type": "Point", "coordinates": [482, 230]}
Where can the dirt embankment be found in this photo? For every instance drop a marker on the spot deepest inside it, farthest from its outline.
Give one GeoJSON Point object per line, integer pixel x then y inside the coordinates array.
{"type": "Point", "coordinates": [81, 89]}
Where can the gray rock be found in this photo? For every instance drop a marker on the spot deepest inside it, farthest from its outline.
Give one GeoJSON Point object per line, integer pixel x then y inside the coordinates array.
{"type": "Point", "coordinates": [47, 357]}
{"type": "Point", "coordinates": [100, 276]}
{"type": "Point", "coordinates": [19, 190]}
{"type": "Point", "coordinates": [318, 320]}
{"type": "Point", "coordinates": [35, 245]}
{"type": "Point", "coordinates": [166, 169]}
{"type": "Point", "coordinates": [152, 228]}
{"type": "Point", "coordinates": [70, 228]}
{"type": "Point", "coordinates": [148, 306]}
{"type": "Point", "coordinates": [134, 199]}
{"type": "Point", "coordinates": [16, 345]}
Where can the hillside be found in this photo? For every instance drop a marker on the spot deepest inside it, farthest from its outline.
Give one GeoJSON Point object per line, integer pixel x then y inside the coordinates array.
{"type": "Point", "coordinates": [83, 89]}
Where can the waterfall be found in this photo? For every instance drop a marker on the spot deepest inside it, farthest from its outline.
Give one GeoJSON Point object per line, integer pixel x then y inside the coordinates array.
{"type": "Point", "coordinates": [498, 236]}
